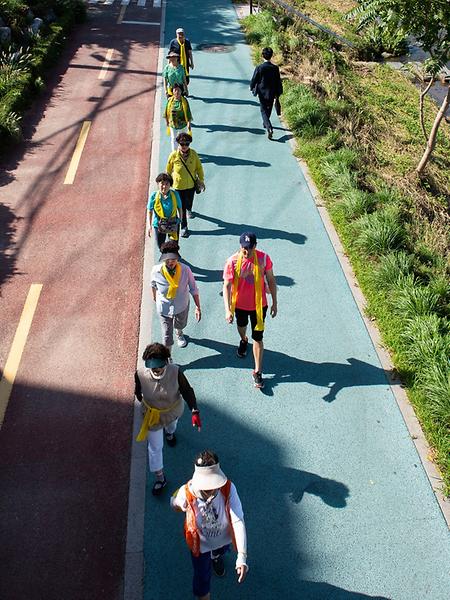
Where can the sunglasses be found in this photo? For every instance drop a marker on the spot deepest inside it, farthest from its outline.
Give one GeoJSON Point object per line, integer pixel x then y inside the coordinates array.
{"type": "Point", "coordinates": [185, 143]}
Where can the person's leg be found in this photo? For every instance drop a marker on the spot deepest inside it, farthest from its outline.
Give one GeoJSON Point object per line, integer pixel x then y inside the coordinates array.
{"type": "Point", "coordinates": [173, 138]}
{"type": "Point", "coordinates": [183, 197]}
{"type": "Point", "coordinates": [258, 348]}
{"type": "Point", "coordinates": [241, 317]}
{"type": "Point", "coordinates": [201, 581]}
{"type": "Point", "coordinates": [169, 431]}
{"type": "Point", "coordinates": [180, 321]}
{"type": "Point", "coordinates": [160, 237]}
{"type": "Point", "coordinates": [167, 331]}
{"type": "Point", "coordinates": [218, 563]}
{"type": "Point", "coordinates": [265, 116]}
{"type": "Point", "coordinates": [189, 203]}
{"type": "Point", "coordinates": [155, 459]}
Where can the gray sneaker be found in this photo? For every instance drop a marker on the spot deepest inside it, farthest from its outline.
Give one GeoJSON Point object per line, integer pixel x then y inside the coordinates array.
{"type": "Point", "coordinates": [181, 340]}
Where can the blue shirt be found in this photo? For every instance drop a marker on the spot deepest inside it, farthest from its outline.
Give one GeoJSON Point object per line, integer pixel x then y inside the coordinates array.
{"type": "Point", "coordinates": [166, 205]}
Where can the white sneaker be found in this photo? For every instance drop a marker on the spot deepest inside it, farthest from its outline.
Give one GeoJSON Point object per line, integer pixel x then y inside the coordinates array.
{"type": "Point", "coordinates": [181, 340]}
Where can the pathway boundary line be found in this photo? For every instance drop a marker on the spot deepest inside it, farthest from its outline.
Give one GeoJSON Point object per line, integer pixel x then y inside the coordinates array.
{"type": "Point", "coordinates": [17, 347]}
{"type": "Point", "coordinates": [411, 421]}
{"type": "Point", "coordinates": [134, 569]}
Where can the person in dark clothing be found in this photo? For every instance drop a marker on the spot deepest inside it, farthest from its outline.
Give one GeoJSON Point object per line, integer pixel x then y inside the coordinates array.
{"type": "Point", "coordinates": [266, 84]}
{"type": "Point", "coordinates": [161, 387]}
{"type": "Point", "coordinates": [182, 46]}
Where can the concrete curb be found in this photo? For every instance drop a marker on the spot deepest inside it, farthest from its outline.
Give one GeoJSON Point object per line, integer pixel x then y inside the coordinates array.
{"type": "Point", "coordinates": [134, 570]}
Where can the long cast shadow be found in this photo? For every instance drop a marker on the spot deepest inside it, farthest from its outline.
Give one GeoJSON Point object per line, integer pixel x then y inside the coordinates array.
{"type": "Point", "coordinates": [287, 369]}
{"type": "Point", "coordinates": [221, 101]}
{"type": "Point", "coordinates": [230, 128]}
{"type": "Point", "coordinates": [8, 223]}
{"type": "Point", "coordinates": [231, 161]}
{"type": "Point", "coordinates": [262, 233]}
{"type": "Point", "coordinates": [215, 275]}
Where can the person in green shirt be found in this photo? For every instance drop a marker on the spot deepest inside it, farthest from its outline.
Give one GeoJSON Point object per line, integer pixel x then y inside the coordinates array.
{"type": "Point", "coordinates": [177, 114]}
{"type": "Point", "coordinates": [173, 73]}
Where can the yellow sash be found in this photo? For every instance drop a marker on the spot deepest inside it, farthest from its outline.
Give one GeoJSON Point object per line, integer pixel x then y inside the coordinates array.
{"type": "Point", "coordinates": [158, 208]}
{"type": "Point", "coordinates": [173, 281]}
{"type": "Point", "coordinates": [168, 110]}
{"type": "Point", "coordinates": [258, 289]}
{"type": "Point", "coordinates": [183, 57]}
{"type": "Point", "coordinates": [151, 418]}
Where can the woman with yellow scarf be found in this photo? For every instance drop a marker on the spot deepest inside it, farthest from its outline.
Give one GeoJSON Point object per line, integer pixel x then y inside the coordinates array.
{"type": "Point", "coordinates": [178, 116]}
{"type": "Point", "coordinates": [161, 387]}
{"type": "Point", "coordinates": [164, 210]}
{"type": "Point", "coordinates": [172, 285]}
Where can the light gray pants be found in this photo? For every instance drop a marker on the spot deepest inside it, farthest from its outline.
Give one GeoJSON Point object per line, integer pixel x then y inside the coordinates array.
{"type": "Point", "coordinates": [155, 445]}
{"type": "Point", "coordinates": [178, 322]}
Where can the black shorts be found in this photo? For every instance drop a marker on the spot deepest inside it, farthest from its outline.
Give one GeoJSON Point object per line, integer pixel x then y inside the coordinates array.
{"type": "Point", "coordinates": [242, 317]}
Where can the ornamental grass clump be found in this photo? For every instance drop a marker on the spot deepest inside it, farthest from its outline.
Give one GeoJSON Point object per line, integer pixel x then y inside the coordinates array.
{"type": "Point", "coordinates": [391, 269]}
{"type": "Point", "coordinates": [379, 232]}
{"type": "Point", "coordinates": [426, 342]}
{"type": "Point", "coordinates": [305, 114]}
{"type": "Point", "coordinates": [355, 203]}
{"type": "Point", "coordinates": [415, 300]}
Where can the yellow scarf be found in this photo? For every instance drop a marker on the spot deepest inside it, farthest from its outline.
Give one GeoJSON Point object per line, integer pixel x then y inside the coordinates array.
{"type": "Point", "coordinates": [183, 58]}
{"type": "Point", "coordinates": [168, 110]}
{"type": "Point", "coordinates": [151, 418]}
{"type": "Point", "coordinates": [173, 281]}
{"type": "Point", "coordinates": [158, 208]}
{"type": "Point", "coordinates": [258, 289]}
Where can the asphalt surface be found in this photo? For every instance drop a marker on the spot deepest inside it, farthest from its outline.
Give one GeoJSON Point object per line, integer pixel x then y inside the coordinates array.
{"type": "Point", "coordinates": [336, 500]}
{"type": "Point", "coordinates": [65, 441]}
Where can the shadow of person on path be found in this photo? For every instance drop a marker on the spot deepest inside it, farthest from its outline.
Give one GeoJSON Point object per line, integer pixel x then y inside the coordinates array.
{"type": "Point", "coordinates": [231, 161]}
{"type": "Point", "coordinates": [215, 275]}
{"type": "Point", "coordinates": [262, 233]}
{"type": "Point", "coordinates": [282, 539]}
{"type": "Point", "coordinates": [225, 101]}
{"type": "Point", "coordinates": [287, 369]}
{"type": "Point", "coordinates": [230, 128]}
{"type": "Point", "coordinates": [7, 257]}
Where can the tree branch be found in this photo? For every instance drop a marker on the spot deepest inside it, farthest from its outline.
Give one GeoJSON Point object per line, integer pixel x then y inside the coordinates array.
{"type": "Point", "coordinates": [431, 142]}
{"type": "Point", "coordinates": [423, 93]}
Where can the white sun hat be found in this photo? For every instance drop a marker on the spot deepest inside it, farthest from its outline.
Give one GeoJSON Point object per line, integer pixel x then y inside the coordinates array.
{"type": "Point", "coordinates": [208, 478]}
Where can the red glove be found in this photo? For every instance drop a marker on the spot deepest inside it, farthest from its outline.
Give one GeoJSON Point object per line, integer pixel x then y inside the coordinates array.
{"type": "Point", "coordinates": [196, 422]}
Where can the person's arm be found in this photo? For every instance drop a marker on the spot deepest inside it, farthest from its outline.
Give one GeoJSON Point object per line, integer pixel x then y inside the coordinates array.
{"type": "Point", "coordinates": [240, 533]}
{"type": "Point", "coordinates": [170, 165]}
{"type": "Point", "coordinates": [273, 291]}
{"type": "Point", "coordinates": [191, 59]}
{"type": "Point", "coordinates": [154, 291]}
{"type": "Point", "coordinates": [199, 171]}
{"type": "Point", "coordinates": [137, 387]}
{"type": "Point", "coordinates": [188, 395]}
{"type": "Point", "coordinates": [255, 80]}
{"type": "Point", "coordinates": [179, 206]}
{"type": "Point", "coordinates": [149, 222]}
{"type": "Point", "coordinates": [178, 500]}
{"type": "Point", "coordinates": [227, 288]}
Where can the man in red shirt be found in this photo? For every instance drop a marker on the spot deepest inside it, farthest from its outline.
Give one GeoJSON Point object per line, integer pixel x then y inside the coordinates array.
{"type": "Point", "coordinates": [245, 276]}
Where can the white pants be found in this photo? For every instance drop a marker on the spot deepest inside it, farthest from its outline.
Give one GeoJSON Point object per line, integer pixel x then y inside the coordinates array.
{"type": "Point", "coordinates": [173, 136]}
{"type": "Point", "coordinates": [155, 445]}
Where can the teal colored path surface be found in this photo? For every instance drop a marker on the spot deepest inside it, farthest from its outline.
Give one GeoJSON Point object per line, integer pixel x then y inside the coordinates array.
{"type": "Point", "coordinates": [337, 503]}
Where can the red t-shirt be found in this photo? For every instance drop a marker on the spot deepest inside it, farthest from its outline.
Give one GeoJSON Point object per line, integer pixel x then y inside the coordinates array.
{"type": "Point", "coordinates": [246, 287]}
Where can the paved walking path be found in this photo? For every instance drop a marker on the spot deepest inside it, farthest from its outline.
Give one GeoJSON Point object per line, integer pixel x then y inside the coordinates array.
{"type": "Point", "coordinates": [337, 502]}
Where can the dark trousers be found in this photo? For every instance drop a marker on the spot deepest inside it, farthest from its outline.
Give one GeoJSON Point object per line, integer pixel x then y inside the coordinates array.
{"type": "Point", "coordinates": [201, 583]}
{"type": "Point", "coordinates": [266, 110]}
{"type": "Point", "coordinates": [161, 237]}
{"type": "Point", "coordinates": [187, 200]}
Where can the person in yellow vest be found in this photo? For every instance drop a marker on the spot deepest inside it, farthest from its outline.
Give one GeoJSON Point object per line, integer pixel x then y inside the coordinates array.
{"type": "Point", "coordinates": [188, 177]}
{"type": "Point", "coordinates": [182, 46]}
{"type": "Point", "coordinates": [172, 283]}
{"type": "Point", "coordinates": [164, 210]}
{"type": "Point", "coordinates": [162, 389]}
{"type": "Point", "coordinates": [177, 114]}
{"type": "Point", "coordinates": [244, 294]}
{"type": "Point", "coordinates": [214, 521]}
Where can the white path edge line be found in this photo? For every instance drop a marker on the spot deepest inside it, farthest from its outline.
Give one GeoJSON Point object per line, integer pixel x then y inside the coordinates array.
{"type": "Point", "coordinates": [412, 423]}
{"type": "Point", "coordinates": [141, 3]}
{"type": "Point", "coordinates": [156, 3]}
{"type": "Point", "coordinates": [134, 569]}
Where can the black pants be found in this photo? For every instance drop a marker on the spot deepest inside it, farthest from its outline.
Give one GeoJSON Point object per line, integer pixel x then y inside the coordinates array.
{"type": "Point", "coordinates": [187, 200]}
{"type": "Point", "coordinates": [266, 110]}
{"type": "Point", "coordinates": [161, 237]}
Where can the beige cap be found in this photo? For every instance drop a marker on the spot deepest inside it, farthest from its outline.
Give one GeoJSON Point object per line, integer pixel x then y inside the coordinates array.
{"type": "Point", "coordinates": [208, 478]}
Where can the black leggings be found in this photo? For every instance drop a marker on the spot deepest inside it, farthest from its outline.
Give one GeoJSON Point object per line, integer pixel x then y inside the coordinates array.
{"type": "Point", "coordinates": [187, 200]}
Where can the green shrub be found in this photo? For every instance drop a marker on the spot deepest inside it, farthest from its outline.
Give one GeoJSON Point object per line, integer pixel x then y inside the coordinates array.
{"type": "Point", "coordinates": [380, 232]}
{"type": "Point", "coordinates": [304, 113]}
{"type": "Point", "coordinates": [436, 387]}
{"type": "Point", "coordinates": [416, 300]}
{"type": "Point", "coordinates": [355, 203]}
{"type": "Point", "coordinates": [424, 342]}
{"type": "Point", "coordinates": [391, 269]}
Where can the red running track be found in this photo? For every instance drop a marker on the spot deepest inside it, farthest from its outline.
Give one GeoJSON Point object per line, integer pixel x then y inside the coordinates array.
{"type": "Point", "coordinates": [65, 441]}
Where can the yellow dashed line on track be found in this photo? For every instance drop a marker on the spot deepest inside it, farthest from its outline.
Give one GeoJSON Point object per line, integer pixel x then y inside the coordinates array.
{"type": "Point", "coordinates": [18, 345]}
{"type": "Point", "coordinates": [106, 63]}
{"type": "Point", "coordinates": [70, 176]}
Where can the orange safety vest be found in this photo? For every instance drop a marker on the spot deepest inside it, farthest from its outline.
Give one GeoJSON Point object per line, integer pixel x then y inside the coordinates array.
{"type": "Point", "coordinates": [190, 525]}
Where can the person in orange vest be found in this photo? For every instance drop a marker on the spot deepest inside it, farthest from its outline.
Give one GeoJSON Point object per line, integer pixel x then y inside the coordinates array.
{"type": "Point", "coordinates": [214, 521]}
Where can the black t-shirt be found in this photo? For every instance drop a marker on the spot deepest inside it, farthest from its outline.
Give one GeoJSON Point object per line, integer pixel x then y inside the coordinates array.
{"type": "Point", "coordinates": [175, 46]}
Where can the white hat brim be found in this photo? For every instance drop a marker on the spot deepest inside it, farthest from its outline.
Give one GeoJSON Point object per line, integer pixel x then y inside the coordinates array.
{"type": "Point", "coordinates": [208, 478]}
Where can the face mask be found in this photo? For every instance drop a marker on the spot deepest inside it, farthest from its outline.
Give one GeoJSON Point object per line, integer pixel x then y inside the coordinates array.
{"type": "Point", "coordinates": [160, 375]}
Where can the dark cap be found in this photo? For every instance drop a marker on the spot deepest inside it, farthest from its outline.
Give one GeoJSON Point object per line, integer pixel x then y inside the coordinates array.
{"type": "Point", "coordinates": [248, 240]}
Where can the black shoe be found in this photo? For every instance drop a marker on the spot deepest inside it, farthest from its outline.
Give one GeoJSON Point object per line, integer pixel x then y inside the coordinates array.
{"type": "Point", "coordinates": [218, 566]}
{"type": "Point", "coordinates": [242, 350]}
{"type": "Point", "coordinates": [158, 486]}
{"type": "Point", "coordinates": [171, 439]}
{"type": "Point", "coordinates": [270, 133]}
{"type": "Point", "coordinates": [258, 381]}
{"type": "Point", "coordinates": [185, 232]}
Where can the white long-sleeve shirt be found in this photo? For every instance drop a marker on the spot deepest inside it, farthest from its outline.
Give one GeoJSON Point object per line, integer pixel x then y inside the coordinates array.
{"type": "Point", "coordinates": [212, 521]}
